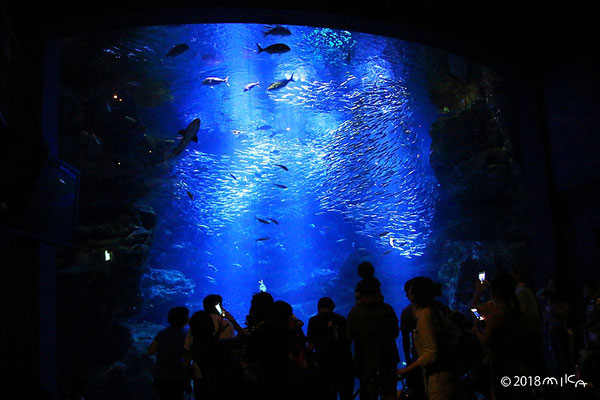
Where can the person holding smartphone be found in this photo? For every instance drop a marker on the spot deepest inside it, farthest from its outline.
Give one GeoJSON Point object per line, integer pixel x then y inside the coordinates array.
{"type": "Point", "coordinates": [506, 354]}
{"type": "Point", "coordinates": [224, 327]}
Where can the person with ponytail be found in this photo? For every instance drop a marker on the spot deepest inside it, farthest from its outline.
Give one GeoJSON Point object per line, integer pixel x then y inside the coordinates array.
{"type": "Point", "coordinates": [430, 341]}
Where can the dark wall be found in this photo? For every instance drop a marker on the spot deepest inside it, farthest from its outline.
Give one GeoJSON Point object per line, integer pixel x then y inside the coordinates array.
{"type": "Point", "coordinates": [570, 92]}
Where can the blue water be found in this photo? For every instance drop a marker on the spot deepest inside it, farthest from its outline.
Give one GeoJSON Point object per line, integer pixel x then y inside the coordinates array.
{"type": "Point", "coordinates": [352, 130]}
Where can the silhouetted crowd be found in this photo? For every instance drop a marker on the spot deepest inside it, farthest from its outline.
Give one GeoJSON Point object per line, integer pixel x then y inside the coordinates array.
{"type": "Point", "coordinates": [512, 346]}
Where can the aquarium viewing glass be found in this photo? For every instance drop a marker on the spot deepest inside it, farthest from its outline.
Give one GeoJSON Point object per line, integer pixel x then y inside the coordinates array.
{"type": "Point", "coordinates": [311, 155]}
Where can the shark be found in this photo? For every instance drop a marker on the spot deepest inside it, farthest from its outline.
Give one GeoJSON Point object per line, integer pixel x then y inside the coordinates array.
{"type": "Point", "coordinates": [188, 134]}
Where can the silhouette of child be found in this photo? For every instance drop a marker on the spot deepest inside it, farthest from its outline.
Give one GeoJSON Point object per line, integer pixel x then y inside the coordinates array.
{"type": "Point", "coordinates": [369, 285]}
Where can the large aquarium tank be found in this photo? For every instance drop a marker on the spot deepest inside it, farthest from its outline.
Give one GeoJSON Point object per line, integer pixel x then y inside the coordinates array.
{"type": "Point", "coordinates": [288, 156]}
{"type": "Point", "coordinates": [235, 158]}
{"type": "Point", "coordinates": [311, 156]}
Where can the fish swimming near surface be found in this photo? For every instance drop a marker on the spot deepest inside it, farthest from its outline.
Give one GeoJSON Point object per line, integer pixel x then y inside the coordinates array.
{"type": "Point", "coordinates": [188, 134]}
{"type": "Point", "coordinates": [262, 239]}
{"type": "Point", "coordinates": [212, 80]}
{"type": "Point", "coordinates": [250, 86]}
{"type": "Point", "coordinates": [280, 186]}
{"type": "Point", "coordinates": [178, 50]}
{"type": "Point", "coordinates": [277, 48]}
{"type": "Point", "coordinates": [274, 221]}
{"type": "Point", "coordinates": [278, 31]}
{"type": "Point", "coordinates": [282, 167]}
{"type": "Point", "coordinates": [264, 221]}
{"type": "Point", "coordinates": [190, 195]}
{"type": "Point", "coordinates": [280, 83]}
{"type": "Point", "coordinates": [233, 176]}
{"type": "Point", "coordinates": [384, 233]}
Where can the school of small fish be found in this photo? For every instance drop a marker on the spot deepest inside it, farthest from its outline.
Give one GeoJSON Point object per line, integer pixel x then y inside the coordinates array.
{"type": "Point", "coordinates": [337, 149]}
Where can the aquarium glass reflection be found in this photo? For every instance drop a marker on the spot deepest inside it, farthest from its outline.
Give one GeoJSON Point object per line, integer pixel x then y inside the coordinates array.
{"type": "Point", "coordinates": [310, 156]}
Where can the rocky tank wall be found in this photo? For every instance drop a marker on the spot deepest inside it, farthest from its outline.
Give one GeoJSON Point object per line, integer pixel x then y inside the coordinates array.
{"type": "Point", "coordinates": [482, 217]}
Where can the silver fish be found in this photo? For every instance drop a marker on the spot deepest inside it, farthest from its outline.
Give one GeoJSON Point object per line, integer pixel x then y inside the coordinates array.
{"type": "Point", "coordinates": [211, 81]}
{"type": "Point", "coordinates": [211, 279]}
{"type": "Point", "coordinates": [280, 83]}
{"type": "Point", "coordinates": [250, 86]}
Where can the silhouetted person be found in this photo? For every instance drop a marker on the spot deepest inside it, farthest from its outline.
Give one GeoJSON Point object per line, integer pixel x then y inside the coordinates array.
{"type": "Point", "coordinates": [261, 310]}
{"type": "Point", "coordinates": [373, 327]}
{"type": "Point", "coordinates": [202, 348]}
{"type": "Point", "coordinates": [167, 345]}
{"type": "Point", "coordinates": [223, 328]}
{"type": "Point", "coordinates": [408, 323]}
{"type": "Point", "coordinates": [430, 341]}
{"type": "Point", "coordinates": [589, 360]}
{"type": "Point", "coordinates": [367, 272]}
{"type": "Point", "coordinates": [284, 317]}
{"type": "Point", "coordinates": [551, 288]}
{"type": "Point", "coordinates": [557, 313]}
{"type": "Point", "coordinates": [288, 335]}
{"type": "Point", "coordinates": [501, 334]}
{"type": "Point", "coordinates": [326, 335]}
{"type": "Point", "coordinates": [468, 359]}
{"type": "Point", "coordinates": [531, 317]}
{"type": "Point", "coordinates": [227, 361]}
{"type": "Point", "coordinates": [263, 352]}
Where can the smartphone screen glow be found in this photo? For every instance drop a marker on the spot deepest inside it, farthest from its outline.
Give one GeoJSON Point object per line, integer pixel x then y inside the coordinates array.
{"type": "Point", "coordinates": [479, 316]}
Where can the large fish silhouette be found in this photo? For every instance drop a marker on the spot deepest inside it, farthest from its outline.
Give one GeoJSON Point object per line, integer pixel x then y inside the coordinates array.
{"type": "Point", "coordinates": [188, 134]}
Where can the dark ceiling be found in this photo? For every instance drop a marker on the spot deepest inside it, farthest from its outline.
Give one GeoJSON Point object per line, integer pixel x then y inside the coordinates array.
{"type": "Point", "coordinates": [525, 34]}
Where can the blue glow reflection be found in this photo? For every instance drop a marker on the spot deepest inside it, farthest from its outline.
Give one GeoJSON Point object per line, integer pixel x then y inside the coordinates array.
{"type": "Point", "coordinates": [287, 190]}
